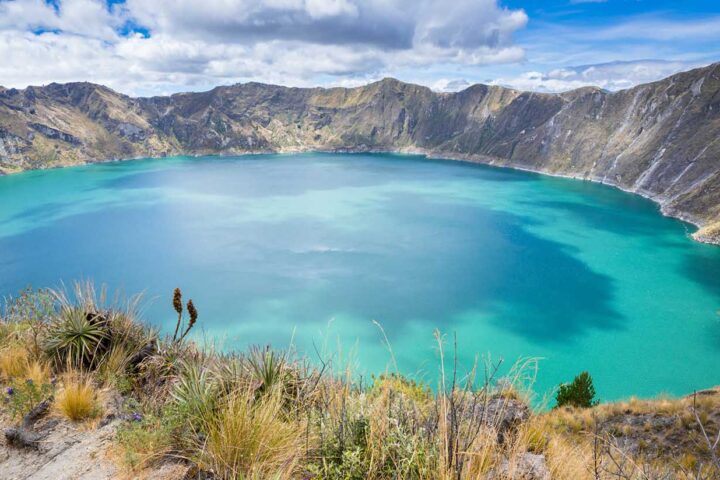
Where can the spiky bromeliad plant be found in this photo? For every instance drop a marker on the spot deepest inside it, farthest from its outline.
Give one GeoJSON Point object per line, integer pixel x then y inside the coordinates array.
{"type": "Point", "coordinates": [79, 333]}
{"type": "Point", "coordinates": [77, 338]}
{"type": "Point", "coordinates": [268, 368]}
{"type": "Point", "coordinates": [195, 394]}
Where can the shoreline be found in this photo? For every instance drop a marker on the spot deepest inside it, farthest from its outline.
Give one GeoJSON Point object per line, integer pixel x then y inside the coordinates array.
{"type": "Point", "coordinates": [477, 159]}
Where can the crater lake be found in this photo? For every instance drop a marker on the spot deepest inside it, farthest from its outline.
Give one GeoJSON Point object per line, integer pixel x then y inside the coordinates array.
{"type": "Point", "coordinates": [334, 253]}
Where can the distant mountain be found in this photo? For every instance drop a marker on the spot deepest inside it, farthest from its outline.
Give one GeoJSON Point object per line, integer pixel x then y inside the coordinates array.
{"type": "Point", "coordinates": [661, 139]}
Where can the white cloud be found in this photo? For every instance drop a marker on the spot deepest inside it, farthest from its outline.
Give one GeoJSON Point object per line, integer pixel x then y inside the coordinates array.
{"type": "Point", "coordinates": [199, 44]}
{"type": "Point", "coordinates": [649, 28]}
{"type": "Point", "coordinates": [74, 17]}
{"type": "Point", "coordinates": [450, 85]}
{"type": "Point", "coordinates": [330, 8]}
{"type": "Point", "coordinates": [610, 76]}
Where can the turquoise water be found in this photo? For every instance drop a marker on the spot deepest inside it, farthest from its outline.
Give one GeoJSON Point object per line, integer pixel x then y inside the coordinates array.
{"type": "Point", "coordinates": [314, 247]}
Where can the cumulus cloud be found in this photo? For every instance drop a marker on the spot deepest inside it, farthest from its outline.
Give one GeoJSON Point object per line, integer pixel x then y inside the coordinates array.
{"type": "Point", "coordinates": [450, 85]}
{"type": "Point", "coordinates": [75, 17]}
{"type": "Point", "coordinates": [610, 76]}
{"type": "Point", "coordinates": [146, 46]}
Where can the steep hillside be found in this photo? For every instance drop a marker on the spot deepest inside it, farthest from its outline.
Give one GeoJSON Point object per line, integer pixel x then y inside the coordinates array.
{"type": "Point", "coordinates": [659, 140]}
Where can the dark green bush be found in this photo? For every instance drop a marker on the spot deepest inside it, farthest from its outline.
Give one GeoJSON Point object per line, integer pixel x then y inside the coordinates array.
{"type": "Point", "coordinates": [579, 393]}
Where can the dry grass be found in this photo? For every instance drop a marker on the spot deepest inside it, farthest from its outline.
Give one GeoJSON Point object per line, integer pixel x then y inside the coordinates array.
{"type": "Point", "coordinates": [569, 460]}
{"type": "Point", "coordinates": [38, 371]}
{"type": "Point", "coordinates": [77, 400]}
{"type": "Point", "coordinates": [250, 438]}
{"type": "Point", "coordinates": [14, 361]}
{"type": "Point", "coordinates": [114, 365]}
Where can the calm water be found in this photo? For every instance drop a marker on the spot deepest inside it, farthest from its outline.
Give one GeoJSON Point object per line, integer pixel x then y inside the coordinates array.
{"type": "Point", "coordinates": [319, 245]}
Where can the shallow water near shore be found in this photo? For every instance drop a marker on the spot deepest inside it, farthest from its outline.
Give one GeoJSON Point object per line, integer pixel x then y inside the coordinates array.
{"type": "Point", "coordinates": [314, 247]}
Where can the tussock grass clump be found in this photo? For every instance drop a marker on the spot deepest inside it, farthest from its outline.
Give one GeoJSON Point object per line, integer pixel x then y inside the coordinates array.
{"type": "Point", "coordinates": [251, 438]}
{"type": "Point", "coordinates": [77, 399]}
{"type": "Point", "coordinates": [196, 394]}
{"type": "Point", "coordinates": [38, 372]}
{"type": "Point", "coordinates": [14, 362]}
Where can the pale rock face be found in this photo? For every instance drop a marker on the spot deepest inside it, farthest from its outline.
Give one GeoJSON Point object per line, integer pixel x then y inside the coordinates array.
{"type": "Point", "coordinates": [661, 140]}
{"type": "Point", "coordinates": [526, 466]}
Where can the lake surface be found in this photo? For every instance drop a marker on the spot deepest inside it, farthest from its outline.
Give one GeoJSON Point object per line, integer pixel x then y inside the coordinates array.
{"type": "Point", "coordinates": [314, 247]}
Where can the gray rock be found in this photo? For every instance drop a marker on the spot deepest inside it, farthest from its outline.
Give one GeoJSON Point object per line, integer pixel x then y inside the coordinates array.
{"type": "Point", "coordinates": [527, 466]}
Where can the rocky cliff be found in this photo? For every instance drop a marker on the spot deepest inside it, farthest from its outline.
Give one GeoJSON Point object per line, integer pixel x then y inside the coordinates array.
{"type": "Point", "coordinates": [661, 140]}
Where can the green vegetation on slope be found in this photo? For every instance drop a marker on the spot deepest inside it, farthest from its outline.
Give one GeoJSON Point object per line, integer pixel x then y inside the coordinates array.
{"type": "Point", "coordinates": [270, 414]}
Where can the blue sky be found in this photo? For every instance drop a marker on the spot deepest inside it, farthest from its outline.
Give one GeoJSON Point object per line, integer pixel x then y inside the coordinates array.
{"type": "Point", "coordinates": [149, 47]}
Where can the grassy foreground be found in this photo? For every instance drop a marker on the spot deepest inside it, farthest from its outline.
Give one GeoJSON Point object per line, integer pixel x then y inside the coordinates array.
{"type": "Point", "coordinates": [265, 414]}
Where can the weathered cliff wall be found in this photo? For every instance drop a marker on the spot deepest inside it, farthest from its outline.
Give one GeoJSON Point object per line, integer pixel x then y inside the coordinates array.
{"type": "Point", "coordinates": [660, 140]}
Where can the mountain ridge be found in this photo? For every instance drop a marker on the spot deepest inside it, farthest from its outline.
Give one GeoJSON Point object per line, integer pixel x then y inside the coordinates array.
{"type": "Point", "coordinates": [659, 139]}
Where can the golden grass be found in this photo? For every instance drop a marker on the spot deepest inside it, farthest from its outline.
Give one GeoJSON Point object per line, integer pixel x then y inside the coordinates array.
{"type": "Point", "coordinates": [481, 457]}
{"type": "Point", "coordinates": [568, 460]}
{"type": "Point", "coordinates": [534, 434]}
{"type": "Point", "coordinates": [77, 400]}
{"type": "Point", "coordinates": [38, 372]}
{"type": "Point", "coordinates": [14, 361]}
{"type": "Point", "coordinates": [250, 438]}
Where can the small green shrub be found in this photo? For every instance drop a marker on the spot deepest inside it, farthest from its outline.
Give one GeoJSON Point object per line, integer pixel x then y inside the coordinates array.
{"type": "Point", "coordinates": [352, 465]}
{"type": "Point", "coordinates": [23, 396]}
{"type": "Point", "coordinates": [146, 439]}
{"type": "Point", "coordinates": [579, 393]}
{"type": "Point", "coordinates": [30, 310]}
{"type": "Point", "coordinates": [417, 392]}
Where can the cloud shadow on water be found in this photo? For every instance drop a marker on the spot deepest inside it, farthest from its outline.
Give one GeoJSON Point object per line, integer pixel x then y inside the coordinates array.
{"type": "Point", "coordinates": [414, 260]}
{"type": "Point", "coordinates": [629, 217]}
{"type": "Point", "coordinates": [446, 260]}
{"type": "Point", "coordinates": [702, 265]}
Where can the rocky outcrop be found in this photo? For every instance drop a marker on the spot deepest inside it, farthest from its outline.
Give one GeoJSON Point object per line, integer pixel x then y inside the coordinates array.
{"type": "Point", "coordinates": [527, 466]}
{"type": "Point", "coordinates": [53, 448]}
{"type": "Point", "coordinates": [660, 140]}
